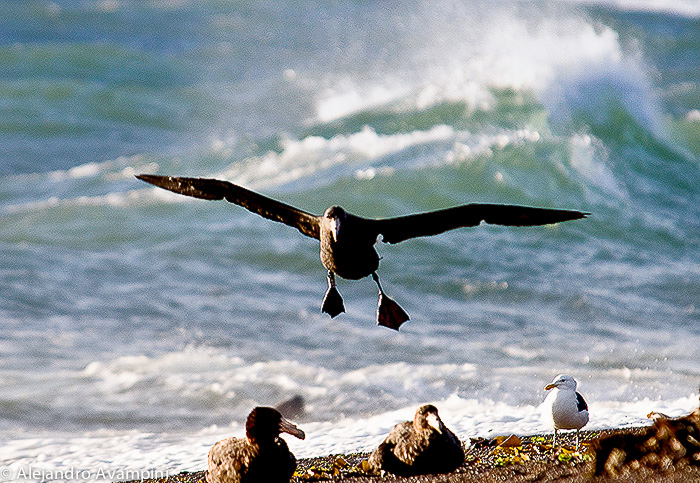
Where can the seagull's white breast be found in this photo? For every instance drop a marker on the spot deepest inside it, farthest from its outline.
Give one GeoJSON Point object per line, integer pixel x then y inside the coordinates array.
{"type": "Point", "coordinates": [560, 410]}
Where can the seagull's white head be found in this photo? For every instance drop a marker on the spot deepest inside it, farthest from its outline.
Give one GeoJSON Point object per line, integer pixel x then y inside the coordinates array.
{"type": "Point", "coordinates": [562, 381]}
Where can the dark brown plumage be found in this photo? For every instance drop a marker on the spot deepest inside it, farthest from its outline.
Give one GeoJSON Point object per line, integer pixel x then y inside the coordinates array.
{"type": "Point", "coordinates": [423, 446]}
{"type": "Point", "coordinates": [347, 241]}
{"type": "Point", "coordinates": [262, 456]}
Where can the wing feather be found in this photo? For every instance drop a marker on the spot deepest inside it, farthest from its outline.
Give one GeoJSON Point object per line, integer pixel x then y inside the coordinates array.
{"type": "Point", "coordinates": [214, 189]}
{"type": "Point", "coordinates": [395, 230]}
{"type": "Point", "coordinates": [581, 403]}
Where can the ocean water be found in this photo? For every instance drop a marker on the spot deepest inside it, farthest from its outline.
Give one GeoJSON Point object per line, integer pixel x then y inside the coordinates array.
{"type": "Point", "coordinates": [138, 327]}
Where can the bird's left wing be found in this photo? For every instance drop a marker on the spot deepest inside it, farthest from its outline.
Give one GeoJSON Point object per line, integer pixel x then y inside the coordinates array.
{"type": "Point", "coordinates": [384, 458]}
{"type": "Point", "coordinates": [214, 189]}
{"type": "Point", "coordinates": [395, 230]}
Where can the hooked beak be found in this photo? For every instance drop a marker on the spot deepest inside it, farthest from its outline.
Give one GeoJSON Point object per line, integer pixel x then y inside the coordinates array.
{"type": "Point", "coordinates": [288, 427]}
{"type": "Point", "coordinates": [335, 228]}
{"type": "Point", "coordinates": [549, 386]}
{"type": "Point", "coordinates": [434, 422]}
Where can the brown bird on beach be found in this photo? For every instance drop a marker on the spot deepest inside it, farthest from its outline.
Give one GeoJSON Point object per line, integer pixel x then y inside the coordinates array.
{"type": "Point", "coordinates": [347, 241]}
{"type": "Point", "coordinates": [262, 456]}
{"type": "Point", "coordinates": [423, 446]}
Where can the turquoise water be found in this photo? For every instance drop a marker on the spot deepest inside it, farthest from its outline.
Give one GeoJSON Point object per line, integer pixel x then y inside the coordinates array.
{"type": "Point", "coordinates": [134, 318]}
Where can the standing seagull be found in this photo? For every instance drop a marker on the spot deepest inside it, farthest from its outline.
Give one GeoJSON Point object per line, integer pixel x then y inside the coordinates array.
{"type": "Point", "coordinates": [564, 408]}
{"type": "Point", "coordinates": [262, 456]}
{"type": "Point", "coordinates": [423, 446]}
{"type": "Point", "coordinates": [347, 241]}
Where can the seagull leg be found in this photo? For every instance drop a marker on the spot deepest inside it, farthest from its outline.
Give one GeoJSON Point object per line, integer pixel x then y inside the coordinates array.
{"type": "Point", "coordinates": [554, 440]}
{"type": "Point", "coordinates": [577, 439]}
{"type": "Point", "coordinates": [389, 313]}
{"type": "Point", "coordinates": [332, 301]}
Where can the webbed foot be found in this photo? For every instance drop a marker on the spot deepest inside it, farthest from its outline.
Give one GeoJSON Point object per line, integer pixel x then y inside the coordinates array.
{"type": "Point", "coordinates": [389, 313]}
{"type": "Point", "coordinates": [332, 302]}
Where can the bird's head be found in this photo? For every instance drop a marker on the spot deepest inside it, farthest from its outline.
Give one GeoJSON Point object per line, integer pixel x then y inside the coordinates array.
{"type": "Point", "coordinates": [427, 419]}
{"type": "Point", "coordinates": [335, 216]}
{"type": "Point", "coordinates": [266, 424]}
{"type": "Point", "coordinates": [562, 381]}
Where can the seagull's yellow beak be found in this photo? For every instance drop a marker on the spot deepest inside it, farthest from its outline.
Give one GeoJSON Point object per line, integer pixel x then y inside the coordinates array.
{"type": "Point", "coordinates": [549, 386]}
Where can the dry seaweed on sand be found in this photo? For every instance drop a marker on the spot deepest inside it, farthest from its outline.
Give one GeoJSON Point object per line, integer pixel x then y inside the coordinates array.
{"type": "Point", "coordinates": [642, 455]}
{"type": "Point", "coordinates": [501, 457]}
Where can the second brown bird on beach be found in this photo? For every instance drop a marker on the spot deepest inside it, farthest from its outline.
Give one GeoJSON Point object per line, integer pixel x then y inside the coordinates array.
{"type": "Point", "coordinates": [423, 446]}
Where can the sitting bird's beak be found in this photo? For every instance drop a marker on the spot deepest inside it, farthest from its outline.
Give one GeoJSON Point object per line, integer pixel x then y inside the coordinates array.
{"type": "Point", "coordinates": [435, 422]}
{"type": "Point", "coordinates": [289, 427]}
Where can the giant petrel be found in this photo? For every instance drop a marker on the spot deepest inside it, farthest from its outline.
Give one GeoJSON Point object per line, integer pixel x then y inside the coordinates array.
{"type": "Point", "coordinates": [261, 456]}
{"type": "Point", "coordinates": [347, 241]}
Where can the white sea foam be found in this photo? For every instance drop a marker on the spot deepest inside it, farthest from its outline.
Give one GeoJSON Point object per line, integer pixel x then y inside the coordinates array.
{"type": "Point", "coordinates": [468, 53]}
{"type": "Point", "coordinates": [212, 386]}
{"type": "Point", "coordinates": [119, 168]}
{"type": "Point", "coordinates": [122, 168]}
{"type": "Point", "coordinates": [312, 155]}
{"type": "Point", "coordinates": [589, 158]}
{"type": "Point", "coordinates": [469, 147]}
{"type": "Point", "coordinates": [693, 115]}
{"type": "Point", "coordinates": [307, 156]}
{"type": "Point", "coordinates": [110, 199]}
{"type": "Point", "coordinates": [346, 98]}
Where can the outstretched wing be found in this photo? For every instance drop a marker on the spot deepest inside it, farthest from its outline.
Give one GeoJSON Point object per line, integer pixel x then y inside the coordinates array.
{"type": "Point", "coordinates": [395, 230]}
{"type": "Point", "coordinates": [214, 189]}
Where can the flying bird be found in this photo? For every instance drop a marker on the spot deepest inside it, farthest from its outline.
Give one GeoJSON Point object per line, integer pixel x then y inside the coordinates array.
{"type": "Point", "coordinates": [261, 456]}
{"type": "Point", "coordinates": [423, 446]}
{"type": "Point", "coordinates": [347, 241]}
{"type": "Point", "coordinates": [564, 408]}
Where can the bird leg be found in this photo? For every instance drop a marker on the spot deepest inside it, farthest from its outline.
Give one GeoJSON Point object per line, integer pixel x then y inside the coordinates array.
{"type": "Point", "coordinates": [389, 313]}
{"type": "Point", "coordinates": [332, 301]}
{"type": "Point", "coordinates": [577, 431]}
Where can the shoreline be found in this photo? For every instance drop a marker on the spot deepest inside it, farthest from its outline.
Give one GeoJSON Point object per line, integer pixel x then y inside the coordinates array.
{"type": "Point", "coordinates": [503, 458]}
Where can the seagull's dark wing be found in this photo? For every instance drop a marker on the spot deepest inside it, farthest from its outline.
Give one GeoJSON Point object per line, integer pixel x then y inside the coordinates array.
{"type": "Point", "coordinates": [394, 230]}
{"type": "Point", "coordinates": [214, 189]}
{"type": "Point", "coordinates": [581, 403]}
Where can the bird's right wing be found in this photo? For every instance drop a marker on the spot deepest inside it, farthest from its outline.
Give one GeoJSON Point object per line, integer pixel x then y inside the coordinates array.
{"type": "Point", "coordinates": [395, 230]}
{"type": "Point", "coordinates": [214, 189]}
